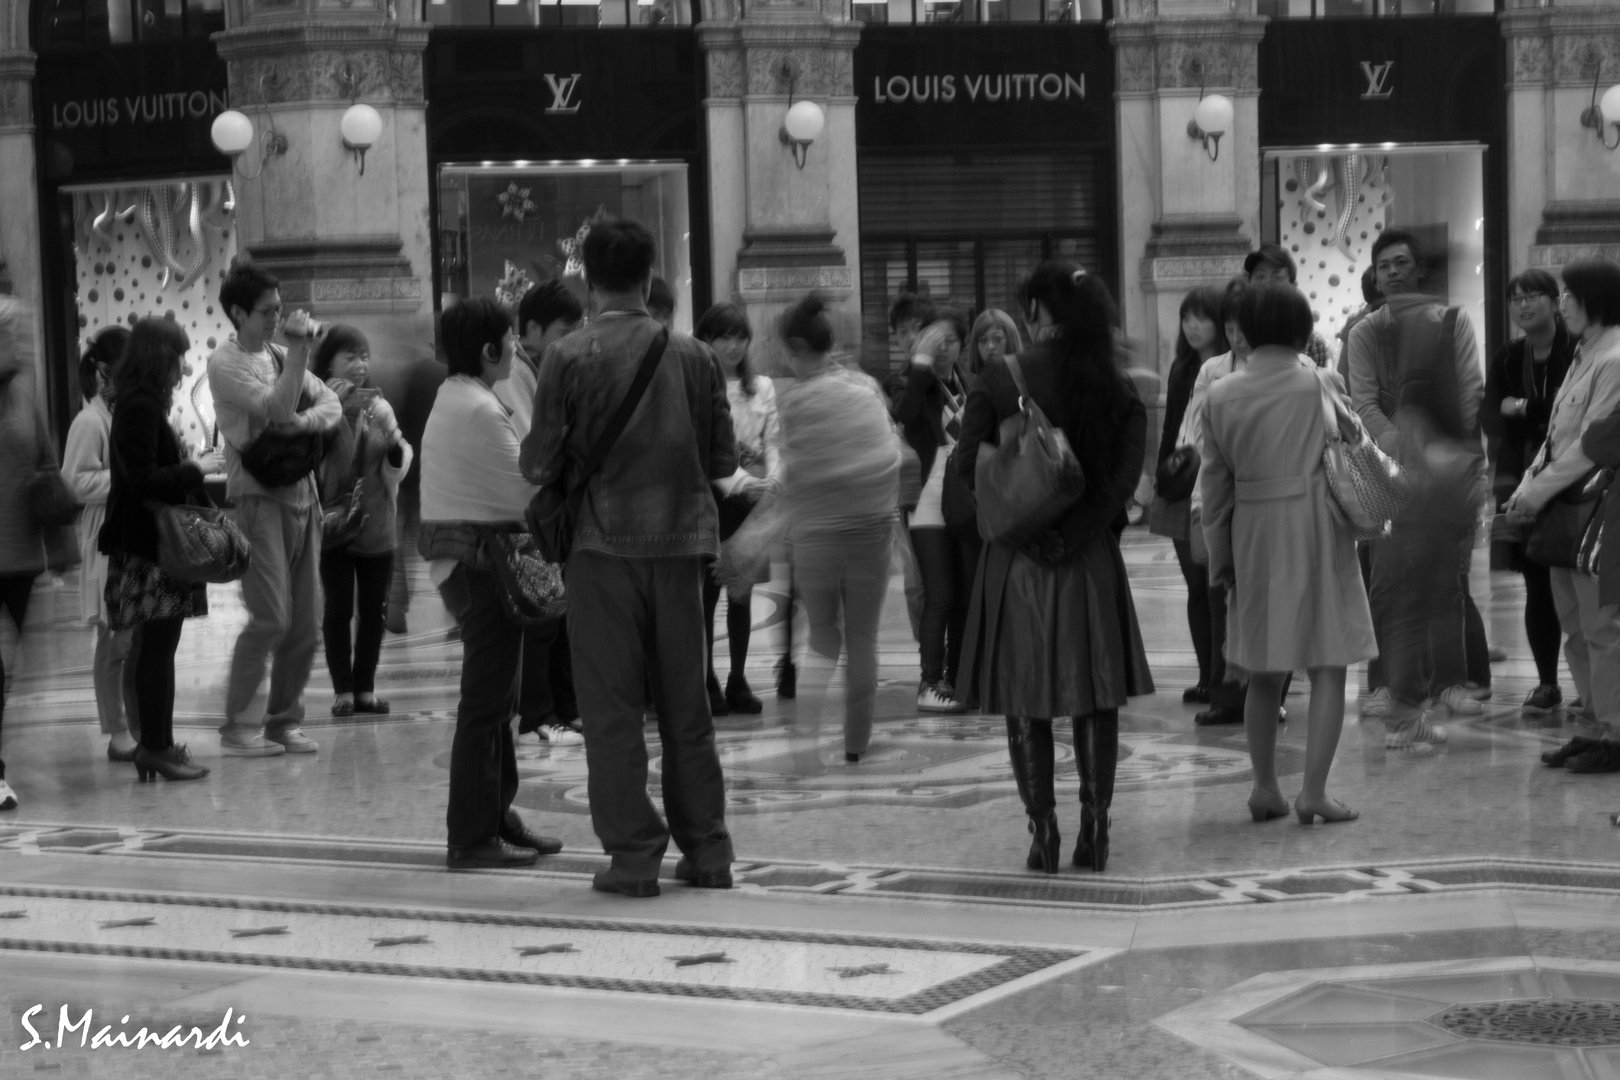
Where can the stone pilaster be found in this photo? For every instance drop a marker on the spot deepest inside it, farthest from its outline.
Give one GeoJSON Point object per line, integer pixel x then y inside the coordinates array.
{"type": "Point", "coordinates": [780, 231]}
{"type": "Point", "coordinates": [21, 272]}
{"type": "Point", "coordinates": [1561, 182]}
{"type": "Point", "coordinates": [350, 246]}
{"type": "Point", "coordinates": [1184, 220]}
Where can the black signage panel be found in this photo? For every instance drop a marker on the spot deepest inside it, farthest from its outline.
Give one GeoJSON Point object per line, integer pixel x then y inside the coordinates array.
{"type": "Point", "coordinates": [984, 85]}
{"type": "Point", "coordinates": [1381, 80]}
{"type": "Point", "coordinates": [563, 93]}
{"type": "Point", "coordinates": [129, 109]}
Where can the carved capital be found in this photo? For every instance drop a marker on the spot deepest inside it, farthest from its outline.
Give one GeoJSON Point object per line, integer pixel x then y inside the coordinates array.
{"type": "Point", "coordinates": [1554, 257]}
{"type": "Point", "coordinates": [814, 72]}
{"type": "Point", "coordinates": [16, 91]}
{"type": "Point", "coordinates": [726, 73]}
{"type": "Point", "coordinates": [316, 63]}
{"type": "Point", "coordinates": [1193, 53]}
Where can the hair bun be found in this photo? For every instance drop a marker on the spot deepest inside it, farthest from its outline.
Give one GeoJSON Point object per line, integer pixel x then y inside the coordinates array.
{"type": "Point", "coordinates": [812, 305]}
{"type": "Point", "coordinates": [241, 259]}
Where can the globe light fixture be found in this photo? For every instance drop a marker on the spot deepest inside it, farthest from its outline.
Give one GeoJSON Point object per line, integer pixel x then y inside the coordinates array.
{"type": "Point", "coordinates": [1211, 120]}
{"type": "Point", "coordinates": [360, 127]}
{"type": "Point", "coordinates": [800, 127]}
{"type": "Point", "coordinates": [232, 135]}
{"type": "Point", "coordinates": [1603, 114]}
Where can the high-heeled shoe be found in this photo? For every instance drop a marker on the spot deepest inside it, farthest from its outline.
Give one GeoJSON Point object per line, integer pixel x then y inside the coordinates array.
{"type": "Point", "coordinates": [126, 756]}
{"type": "Point", "coordinates": [717, 698]}
{"type": "Point", "coordinates": [740, 696]}
{"type": "Point", "coordinates": [1331, 812]}
{"type": "Point", "coordinates": [172, 764]}
{"type": "Point", "coordinates": [1046, 845]}
{"type": "Point", "coordinates": [1030, 749]}
{"type": "Point", "coordinates": [1266, 805]}
{"type": "Point", "coordinates": [1096, 750]}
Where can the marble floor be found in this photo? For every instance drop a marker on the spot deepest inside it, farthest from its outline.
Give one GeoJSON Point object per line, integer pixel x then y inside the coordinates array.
{"type": "Point", "coordinates": [293, 917]}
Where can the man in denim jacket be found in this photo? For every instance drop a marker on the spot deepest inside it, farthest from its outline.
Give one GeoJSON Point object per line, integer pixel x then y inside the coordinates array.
{"type": "Point", "coordinates": [647, 528]}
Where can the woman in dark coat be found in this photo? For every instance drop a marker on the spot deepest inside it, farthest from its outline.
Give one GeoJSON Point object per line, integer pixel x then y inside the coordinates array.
{"type": "Point", "coordinates": [1521, 383]}
{"type": "Point", "coordinates": [147, 465]}
{"type": "Point", "coordinates": [1052, 630]}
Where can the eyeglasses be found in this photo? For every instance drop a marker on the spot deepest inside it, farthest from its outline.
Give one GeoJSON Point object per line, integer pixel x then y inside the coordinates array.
{"type": "Point", "coordinates": [1529, 298]}
{"type": "Point", "coordinates": [269, 312]}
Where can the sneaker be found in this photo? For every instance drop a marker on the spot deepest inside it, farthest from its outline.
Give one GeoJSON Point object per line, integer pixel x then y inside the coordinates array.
{"type": "Point", "coordinates": [1496, 654]}
{"type": "Point", "coordinates": [930, 699]}
{"type": "Point", "coordinates": [1195, 695]}
{"type": "Point", "coordinates": [1477, 691]}
{"type": "Point", "coordinates": [250, 746]}
{"type": "Point", "coordinates": [1414, 731]}
{"type": "Point", "coordinates": [1377, 703]}
{"type": "Point", "coordinates": [1459, 701]}
{"type": "Point", "coordinates": [1602, 758]}
{"type": "Point", "coordinates": [560, 735]}
{"type": "Point", "coordinates": [528, 740]}
{"type": "Point", "coordinates": [1543, 698]}
{"type": "Point", "coordinates": [1560, 757]}
{"type": "Point", "coordinates": [8, 798]}
{"type": "Point", "coordinates": [295, 741]}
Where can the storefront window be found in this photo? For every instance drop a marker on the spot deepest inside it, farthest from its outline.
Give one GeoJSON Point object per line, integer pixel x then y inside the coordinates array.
{"type": "Point", "coordinates": [1351, 9]}
{"type": "Point", "coordinates": [982, 11]}
{"type": "Point", "coordinates": [637, 13]}
{"type": "Point", "coordinates": [505, 228]}
{"type": "Point", "coordinates": [1327, 207]}
{"type": "Point", "coordinates": [120, 22]}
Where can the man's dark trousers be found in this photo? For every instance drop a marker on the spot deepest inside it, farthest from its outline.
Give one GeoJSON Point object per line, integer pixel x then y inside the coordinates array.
{"type": "Point", "coordinates": [631, 623]}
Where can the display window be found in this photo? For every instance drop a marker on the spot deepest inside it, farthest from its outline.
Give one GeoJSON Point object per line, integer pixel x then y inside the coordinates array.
{"type": "Point", "coordinates": [944, 12]}
{"type": "Point", "coordinates": [1327, 205]}
{"type": "Point", "coordinates": [506, 227]}
{"type": "Point", "coordinates": [579, 13]}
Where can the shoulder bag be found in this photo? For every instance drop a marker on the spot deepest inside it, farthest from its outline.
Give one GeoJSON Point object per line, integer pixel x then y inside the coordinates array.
{"type": "Point", "coordinates": [553, 513]}
{"type": "Point", "coordinates": [532, 591]}
{"type": "Point", "coordinates": [1030, 477]}
{"type": "Point", "coordinates": [1570, 526]}
{"type": "Point", "coordinates": [342, 524]}
{"type": "Point", "coordinates": [280, 458]}
{"type": "Point", "coordinates": [51, 502]}
{"type": "Point", "coordinates": [957, 503]}
{"type": "Point", "coordinates": [1177, 474]}
{"type": "Point", "coordinates": [1367, 486]}
{"type": "Point", "coordinates": [199, 543]}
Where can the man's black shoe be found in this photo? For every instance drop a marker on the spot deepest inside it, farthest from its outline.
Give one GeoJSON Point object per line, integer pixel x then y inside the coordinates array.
{"type": "Point", "coordinates": [516, 833]}
{"type": "Point", "coordinates": [702, 879]}
{"type": "Point", "coordinates": [612, 880]}
{"type": "Point", "coordinates": [1218, 714]}
{"type": "Point", "coordinates": [1580, 744]}
{"type": "Point", "coordinates": [491, 854]}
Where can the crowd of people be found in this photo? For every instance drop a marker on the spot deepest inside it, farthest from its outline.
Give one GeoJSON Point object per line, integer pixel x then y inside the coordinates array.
{"type": "Point", "coordinates": [634, 475]}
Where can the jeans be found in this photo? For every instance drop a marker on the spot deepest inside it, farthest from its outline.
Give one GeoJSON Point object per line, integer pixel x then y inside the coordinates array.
{"type": "Point", "coordinates": [113, 674]}
{"type": "Point", "coordinates": [281, 592]}
{"type": "Point", "coordinates": [947, 564]}
{"type": "Point", "coordinates": [1541, 625]}
{"type": "Point", "coordinates": [342, 575]}
{"type": "Point", "coordinates": [154, 650]}
{"type": "Point", "coordinates": [1417, 604]}
{"type": "Point", "coordinates": [1593, 649]}
{"type": "Point", "coordinates": [483, 764]}
{"type": "Point", "coordinates": [1200, 619]}
{"type": "Point", "coordinates": [546, 690]}
{"type": "Point", "coordinates": [15, 590]}
{"type": "Point", "coordinates": [634, 623]}
{"type": "Point", "coordinates": [843, 571]}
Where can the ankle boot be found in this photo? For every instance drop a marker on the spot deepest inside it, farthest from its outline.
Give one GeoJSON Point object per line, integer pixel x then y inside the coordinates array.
{"type": "Point", "coordinates": [1029, 745]}
{"type": "Point", "coordinates": [1096, 749]}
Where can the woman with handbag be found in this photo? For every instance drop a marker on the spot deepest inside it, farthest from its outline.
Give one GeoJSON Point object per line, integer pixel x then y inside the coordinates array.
{"type": "Point", "coordinates": [470, 482]}
{"type": "Point", "coordinates": [1590, 305]}
{"type": "Point", "coordinates": [359, 480]}
{"type": "Point", "coordinates": [87, 467]}
{"type": "Point", "coordinates": [1200, 338]}
{"type": "Point", "coordinates": [1285, 556]}
{"type": "Point", "coordinates": [1052, 629]}
{"type": "Point", "coordinates": [724, 328]}
{"type": "Point", "coordinates": [1521, 384]}
{"type": "Point", "coordinates": [148, 466]}
{"type": "Point", "coordinates": [930, 414]}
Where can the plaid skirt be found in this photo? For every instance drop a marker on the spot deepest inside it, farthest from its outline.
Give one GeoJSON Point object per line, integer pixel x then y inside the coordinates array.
{"type": "Point", "coordinates": [138, 591]}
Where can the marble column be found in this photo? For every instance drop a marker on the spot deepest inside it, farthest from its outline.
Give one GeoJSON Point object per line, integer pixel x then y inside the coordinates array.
{"type": "Point", "coordinates": [1563, 187]}
{"type": "Point", "coordinates": [351, 246]}
{"type": "Point", "coordinates": [20, 270]}
{"type": "Point", "coordinates": [1185, 220]}
{"type": "Point", "coordinates": [779, 230]}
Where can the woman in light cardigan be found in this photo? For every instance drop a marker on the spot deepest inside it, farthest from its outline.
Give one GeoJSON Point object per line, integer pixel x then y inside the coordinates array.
{"type": "Point", "coordinates": [470, 478]}
{"type": "Point", "coordinates": [87, 468]}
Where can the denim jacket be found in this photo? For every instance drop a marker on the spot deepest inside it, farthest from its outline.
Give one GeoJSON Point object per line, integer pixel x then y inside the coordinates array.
{"type": "Point", "coordinates": [651, 497]}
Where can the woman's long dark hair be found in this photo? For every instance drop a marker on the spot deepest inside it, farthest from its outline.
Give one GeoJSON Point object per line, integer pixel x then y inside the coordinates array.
{"type": "Point", "coordinates": [1205, 302]}
{"type": "Point", "coordinates": [1084, 316]}
{"type": "Point", "coordinates": [156, 350]}
{"type": "Point", "coordinates": [728, 320]}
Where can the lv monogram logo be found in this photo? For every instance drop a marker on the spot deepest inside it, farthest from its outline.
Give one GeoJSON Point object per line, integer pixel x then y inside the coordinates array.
{"type": "Point", "coordinates": [562, 93]}
{"type": "Point", "coordinates": [1377, 76]}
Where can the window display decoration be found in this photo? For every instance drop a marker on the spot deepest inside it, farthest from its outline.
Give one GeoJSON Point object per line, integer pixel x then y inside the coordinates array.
{"type": "Point", "coordinates": [200, 204]}
{"type": "Point", "coordinates": [513, 284]}
{"type": "Point", "coordinates": [1331, 243]}
{"type": "Point", "coordinates": [515, 203]}
{"type": "Point", "coordinates": [574, 249]}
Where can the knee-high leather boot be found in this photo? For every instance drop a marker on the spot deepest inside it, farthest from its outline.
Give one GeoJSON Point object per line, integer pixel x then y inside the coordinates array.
{"type": "Point", "coordinates": [1096, 748]}
{"type": "Point", "coordinates": [1029, 744]}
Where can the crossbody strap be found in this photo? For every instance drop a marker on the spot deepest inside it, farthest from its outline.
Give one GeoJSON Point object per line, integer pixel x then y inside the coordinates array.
{"type": "Point", "coordinates": [1018, 379]}
{"type": "Point", "coordinates": [621, 417]}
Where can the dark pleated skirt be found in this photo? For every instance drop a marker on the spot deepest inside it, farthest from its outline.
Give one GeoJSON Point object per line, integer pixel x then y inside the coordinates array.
{"type": "Point", "coordinates": [1059, 640]}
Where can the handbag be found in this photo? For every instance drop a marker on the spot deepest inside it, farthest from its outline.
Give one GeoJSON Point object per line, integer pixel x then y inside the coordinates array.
{"type": "Point", "coordinates": [531, 586]}
{"type": "Point", "coordinates": [279, 458]}
{"type": "Point", "coordinates": [1173, 480]}
{"type": "Point", "coordinates": [1030, 478]}
{"type": "Point", "coordinates": [199, 543]}
{"type": "Point", "coordinates": [1367, 486]}
{"type": "Point", "coordinates": [50, 501]}
{"type": "Point", "coordinates": [341, 525]}
{"type": "Point", "coordinates": [1560, 531]}
{"type": "Point", "coordinates": [957, 503]}
{"type": "Point", "coordinates": [553, 513]}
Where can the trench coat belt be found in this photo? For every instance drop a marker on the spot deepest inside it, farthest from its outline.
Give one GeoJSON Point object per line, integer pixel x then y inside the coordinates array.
{"type": "Point", "coordinates": [1280, 487]}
